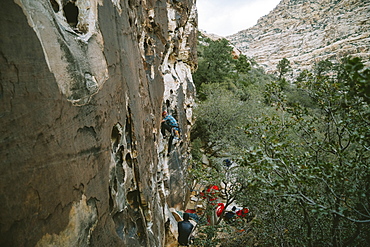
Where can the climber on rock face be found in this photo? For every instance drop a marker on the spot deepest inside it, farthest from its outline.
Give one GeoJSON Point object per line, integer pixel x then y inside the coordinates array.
{"type": "Point", "coordinates": [170, 124]}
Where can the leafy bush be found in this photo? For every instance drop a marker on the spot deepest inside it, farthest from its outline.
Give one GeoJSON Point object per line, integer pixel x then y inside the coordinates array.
{"type": "Point", "coordinates": [302, 153]}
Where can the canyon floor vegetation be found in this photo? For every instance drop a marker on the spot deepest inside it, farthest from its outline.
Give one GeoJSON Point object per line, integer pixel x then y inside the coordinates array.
{"type": "Point", "coordinates": [300, 150]}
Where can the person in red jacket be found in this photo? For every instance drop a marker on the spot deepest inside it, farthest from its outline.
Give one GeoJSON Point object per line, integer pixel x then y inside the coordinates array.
{"type": "Point", "coordinates": [242, 213]}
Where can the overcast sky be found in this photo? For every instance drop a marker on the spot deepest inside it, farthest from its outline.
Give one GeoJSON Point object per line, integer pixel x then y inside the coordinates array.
{"type": "Point", "coordinates": [226, 17]}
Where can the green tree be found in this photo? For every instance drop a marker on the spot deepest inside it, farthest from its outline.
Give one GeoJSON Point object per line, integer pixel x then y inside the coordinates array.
{"type": "Point", "coordinates": [311, 164]}
{"type": "Point", "coordinates": [283, 67]}
{"type": "Point", "coordinates": [304, 171]}
{"type": "Point", "coordinates": [214, 63]}
{"type": "Point", "coordinates": [242, 65]}
{"type": "Point", "coordinates": [216, 135]}
{"type": "Point", "coordinates": [219, 119]}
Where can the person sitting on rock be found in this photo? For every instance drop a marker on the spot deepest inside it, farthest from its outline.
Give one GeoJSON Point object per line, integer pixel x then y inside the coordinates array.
{"type": "Point", "coordinates": [230, 214]}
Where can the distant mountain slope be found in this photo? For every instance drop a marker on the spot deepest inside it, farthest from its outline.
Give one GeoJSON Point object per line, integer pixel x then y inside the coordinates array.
{"type": "Point", "coordinates": [305, 31]}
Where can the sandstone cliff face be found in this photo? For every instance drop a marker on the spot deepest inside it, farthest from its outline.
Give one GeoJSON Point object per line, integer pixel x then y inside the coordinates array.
{"type": "Point", "coordinates": [82, 87]}
{"type": "Point", "coordinates": [307, 31]}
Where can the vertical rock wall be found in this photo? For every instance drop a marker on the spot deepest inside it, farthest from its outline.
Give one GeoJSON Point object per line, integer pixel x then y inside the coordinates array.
{"type": "Point", "coordinates": [82, 87]}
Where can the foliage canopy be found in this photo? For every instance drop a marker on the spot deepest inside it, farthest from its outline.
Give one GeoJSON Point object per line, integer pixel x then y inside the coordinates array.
{"type": "Point", "coordinates": [301, 150]}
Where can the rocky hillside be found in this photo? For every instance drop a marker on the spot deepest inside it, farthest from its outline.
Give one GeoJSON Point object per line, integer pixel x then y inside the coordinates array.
{"type": "Point", "coordinates": [82, 88]}
{"type": "Point", "coordinates": [307, 31]}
